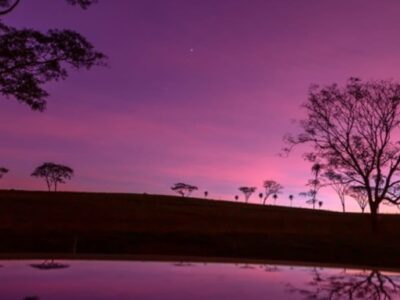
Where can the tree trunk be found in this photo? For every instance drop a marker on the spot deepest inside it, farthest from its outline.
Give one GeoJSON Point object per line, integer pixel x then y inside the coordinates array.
{"type": "Point", "coordinates": [374, 215]}
{"type": "Point", "coordinates": [48, 184]}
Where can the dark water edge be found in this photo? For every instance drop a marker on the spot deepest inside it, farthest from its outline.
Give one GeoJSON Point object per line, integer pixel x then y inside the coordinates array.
{"type": "Point", "coordinates": [232, 247]}
{"type": "Point", "coordinates": [186, 278]}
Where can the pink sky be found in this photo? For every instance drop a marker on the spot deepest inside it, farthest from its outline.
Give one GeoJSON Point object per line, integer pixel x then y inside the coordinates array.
{"type": "Point", "coordinates": [196, 91]}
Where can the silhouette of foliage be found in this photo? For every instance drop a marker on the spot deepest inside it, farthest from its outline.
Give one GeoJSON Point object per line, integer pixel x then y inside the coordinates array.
{"type": "Point", "coordinates": [354, 131]}
{"type": "Point", "coordinates": [3, 171]}
{"type": "Point", "coordinates": [53, 174]}
{"type": "Point", "coordinates": [365, 285]}
{"type": "Point", "coordinates": [339, 186]}
{"type": "Point", "coordinates": [30, 58]}
{"type": "Point", "coordinates": [271, 187]}
{"type": "Point", "coordinates": [275, 197]}
{"type": "Point", "coordinates": [183, 189]}
{"type": "Point", "coordinates": [359, 194]}
{"type": "Point", "coordinates": [247, 191]}
{"type": "Point", "coordinates": [291, 199]}
{"type": "Point", "coordinates": [82, 3]}
{"type": "Point", "coordinates": [314, 184]}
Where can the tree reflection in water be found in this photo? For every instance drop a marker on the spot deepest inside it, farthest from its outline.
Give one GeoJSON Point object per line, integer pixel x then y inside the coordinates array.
{"type": "Point", "coordinates": [183, 264]}
{"type": "Point", "coordinates": [366, 285]}
{"type": "Point", "coordinates": [49, 264]}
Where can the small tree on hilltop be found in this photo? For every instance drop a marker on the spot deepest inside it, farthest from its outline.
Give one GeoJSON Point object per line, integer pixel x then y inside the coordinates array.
{"type": "Point", "coordinates": [53, 174]}
{"type": "Point", "coordinates": [247, 191]}
{"type": "Point", "coordinates": [260, 195]}
{"type": "Point", "coordinates": [291, 200]}
{"type": "Point", "coordinates": [271, 187]}
{"type": "Point", "coordinates": [340, 186]}
{"type": "Point", "coordinates": [359, 194]}
{"type": "Point", "coordinates": [184, 189]}
{"type": "Point", "coordinates": [314, 184]}
{"type": "Point", "coordinates": [275, 197]}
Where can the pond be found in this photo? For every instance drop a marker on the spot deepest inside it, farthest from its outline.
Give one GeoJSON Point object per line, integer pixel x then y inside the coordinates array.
{"type": "Point", "coordinates": [125, 280]}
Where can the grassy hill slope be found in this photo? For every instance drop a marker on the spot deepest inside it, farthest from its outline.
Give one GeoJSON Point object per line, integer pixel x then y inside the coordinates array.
{"type": "Point", "coordinates": [166, 225]}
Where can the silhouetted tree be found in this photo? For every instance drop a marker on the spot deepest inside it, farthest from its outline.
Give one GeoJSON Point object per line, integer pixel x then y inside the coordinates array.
{"type": "Point", "coordinates": [354, 130]}
{"type": "Point", "coordinates": [320, 203]}
{"type": "Point", "coordinates": [30, 58]}
{"type": "Point", "coordinates": [314, 184]}
{"type": "Point", "coordinates": [205, 194]}
{"type": "Point", "coordinates": [260, 195]}
{"type": "Point", "coordinates": [247, 191]}
{"type": "Point", "coordinates": [3, 171]}
{"type": "Point", "coordinates": [359, 194]}
{"type": "Point", "coordinates": [291, 200]}
{"type": "Point", "coordinates": [271, 187]}
{"type": "Point", "coordinates": [275, 197]}
{"type": "Point", "coordinates": [236, 197]}
{"type": "Point", "coordinates": [184, 189]}
{"type": "Point", "coordinates": [341, 188]}
{"type": "Point", "coordinates": [53, 174]}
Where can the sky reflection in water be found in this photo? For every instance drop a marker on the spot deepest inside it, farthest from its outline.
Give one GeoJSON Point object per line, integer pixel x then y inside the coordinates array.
{"type": "Point", "coordinates": [101, 280]}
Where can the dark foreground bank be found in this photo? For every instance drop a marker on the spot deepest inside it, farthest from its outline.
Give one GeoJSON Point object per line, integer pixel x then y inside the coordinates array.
{"type": "Point", "coordinates": [132, 224]}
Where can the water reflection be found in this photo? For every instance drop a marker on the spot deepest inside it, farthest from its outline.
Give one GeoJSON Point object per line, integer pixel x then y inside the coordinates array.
{"type": "Point", "coordinates": [49, 264]}
{"type": "Point", "coordinates": [183, 264]}
{"type": "Point", "coordinates": [181, 280]}
{"type": "Point", "coordinates": [372, 284]}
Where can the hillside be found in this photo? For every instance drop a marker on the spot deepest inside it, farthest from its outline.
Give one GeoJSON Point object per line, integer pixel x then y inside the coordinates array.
{"type": "Point", "coordinates": [166, 225]}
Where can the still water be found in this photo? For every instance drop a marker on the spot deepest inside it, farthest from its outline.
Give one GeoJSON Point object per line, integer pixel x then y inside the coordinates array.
{"type": "Point", "coordinates": [126, 280]}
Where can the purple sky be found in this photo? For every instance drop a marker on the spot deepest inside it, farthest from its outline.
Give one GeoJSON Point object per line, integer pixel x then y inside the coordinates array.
{"type": "Point", "coordinates": [196, 91]}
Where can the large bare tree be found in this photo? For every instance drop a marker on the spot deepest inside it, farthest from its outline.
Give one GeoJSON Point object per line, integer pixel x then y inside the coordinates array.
{"type": "Point", "coordinates": [354, 130]}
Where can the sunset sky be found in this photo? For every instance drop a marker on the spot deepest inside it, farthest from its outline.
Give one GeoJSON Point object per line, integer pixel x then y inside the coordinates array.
{"type": "Point", "coordinates": [195, 91]}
